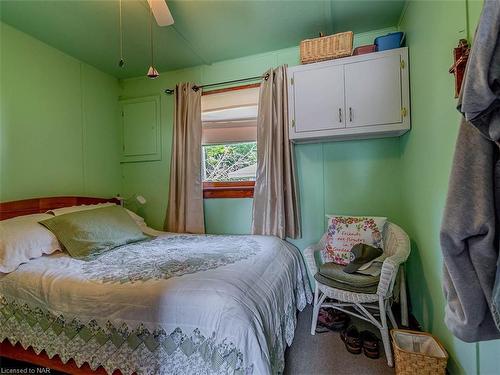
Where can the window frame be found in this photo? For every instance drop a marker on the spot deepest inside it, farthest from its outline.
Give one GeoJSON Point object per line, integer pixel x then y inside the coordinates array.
{"type": "Point", "coordinates": [229, 189]}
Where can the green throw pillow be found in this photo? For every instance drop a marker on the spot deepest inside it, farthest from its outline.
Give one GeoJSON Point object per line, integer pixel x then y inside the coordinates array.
{"type": "Point", "coordinates": [88, 233]}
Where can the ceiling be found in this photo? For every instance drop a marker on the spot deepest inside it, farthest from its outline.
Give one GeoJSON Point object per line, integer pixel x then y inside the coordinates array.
{"type": "Point", "coordinates": [205, 31]}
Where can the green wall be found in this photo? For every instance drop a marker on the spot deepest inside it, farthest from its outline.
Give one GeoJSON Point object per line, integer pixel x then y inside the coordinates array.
{"type": "Point", "coordinates": [59, 128]}
{"type": "Point", "coordinates": [58, 122]}
{"type": "Point", "coordinates": [370, 189]}
{"type": "Point", "coordinates": [433, 30]}
{"type": "Point", "coordinates": [404, 178]}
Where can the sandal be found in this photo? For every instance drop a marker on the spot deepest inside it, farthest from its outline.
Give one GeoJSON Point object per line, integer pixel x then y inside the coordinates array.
{"type": "Point", "coordinates": [321, 328]}
{"type": "Point", "coordinates": [371, 347]}
{"type": "Point", "coordinates": [332, 319]}
{"type": "Point", "coordinates": [352, 340]}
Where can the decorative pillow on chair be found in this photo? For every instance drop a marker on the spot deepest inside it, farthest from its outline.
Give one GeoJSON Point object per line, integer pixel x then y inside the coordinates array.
{"type": "Point", "coordinates": [346, 231]}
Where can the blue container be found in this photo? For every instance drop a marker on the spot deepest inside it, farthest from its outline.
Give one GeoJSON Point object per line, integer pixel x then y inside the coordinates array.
{"type": "Point", "coordinates": [389, 41]}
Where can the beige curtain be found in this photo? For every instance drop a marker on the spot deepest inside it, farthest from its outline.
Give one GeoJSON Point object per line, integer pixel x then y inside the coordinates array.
{"type": "Point", "coordinates": [185, 200]}
{"type": "Point", "coordinates": [275, 204]}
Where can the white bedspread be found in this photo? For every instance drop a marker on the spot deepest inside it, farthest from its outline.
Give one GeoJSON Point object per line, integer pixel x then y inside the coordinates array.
{"type": "Point", "coordinates": [175, 304]}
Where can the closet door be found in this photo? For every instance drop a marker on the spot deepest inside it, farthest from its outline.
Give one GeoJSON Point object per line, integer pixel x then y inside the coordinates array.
{"type": "Point", "coordinates": [373, 91]}
{"type": "Point", "coordinates": [318, 96]}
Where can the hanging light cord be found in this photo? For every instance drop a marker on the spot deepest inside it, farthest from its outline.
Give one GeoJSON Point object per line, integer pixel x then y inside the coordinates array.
{"type": "Point", "coordinates": [121, 63]}
{"type": "Point", "coordinates": [152, 72]}
{"type": "Point", "coordinates": [151, 35]}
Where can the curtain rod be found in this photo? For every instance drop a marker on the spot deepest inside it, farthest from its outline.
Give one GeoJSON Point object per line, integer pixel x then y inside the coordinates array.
{"type": "Point", "coordinates": [196, 88]}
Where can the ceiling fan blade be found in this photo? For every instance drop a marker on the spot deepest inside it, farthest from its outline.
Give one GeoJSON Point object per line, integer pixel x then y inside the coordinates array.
{"type": "Point", "coordinates": [161, 12]}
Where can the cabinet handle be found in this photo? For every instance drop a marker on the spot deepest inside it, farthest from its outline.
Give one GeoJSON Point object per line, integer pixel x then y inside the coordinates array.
{"type": "Point", "coordinates": [350, 114]}
{"type": "Point", "coordinates": [340, 114]}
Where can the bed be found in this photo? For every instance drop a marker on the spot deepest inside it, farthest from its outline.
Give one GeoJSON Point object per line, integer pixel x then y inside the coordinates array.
{"type": "Point", "coordinates": [173, 304]}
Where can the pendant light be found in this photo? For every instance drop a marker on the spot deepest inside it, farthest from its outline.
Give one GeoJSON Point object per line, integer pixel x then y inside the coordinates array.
{"type": "Point", "coordinates": [152, 72]}
{"type": "Point", "coordinates": [121, 63]}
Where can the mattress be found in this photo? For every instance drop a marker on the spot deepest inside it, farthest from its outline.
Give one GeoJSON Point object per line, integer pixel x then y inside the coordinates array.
{"type": "Point", "coordinates": [176, 304]}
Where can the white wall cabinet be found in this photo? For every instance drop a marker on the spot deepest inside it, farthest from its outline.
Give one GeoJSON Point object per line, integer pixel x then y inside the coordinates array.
{"type": "Point", "coordinates": [356, 97]}
{"type": "Point", "coordinates": [326, 108]}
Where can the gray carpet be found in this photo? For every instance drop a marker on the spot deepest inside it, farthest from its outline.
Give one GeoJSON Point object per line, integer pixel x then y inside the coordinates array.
{"type": "Point", "coordinates": [325, 353]}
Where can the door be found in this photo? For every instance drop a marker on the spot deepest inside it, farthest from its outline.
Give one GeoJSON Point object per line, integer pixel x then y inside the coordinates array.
{"type": "Point", "coordinates": [318, 99]}
{"type": "Point", "coordinates": [373, 91]}
{"type": "Point", "coordinates": [141, 129]}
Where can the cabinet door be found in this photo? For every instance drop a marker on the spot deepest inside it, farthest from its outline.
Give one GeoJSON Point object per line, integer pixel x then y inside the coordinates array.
{"type": "Point", "coordinates": [141, 129]}
{"type": "Point", "coordinates": [319, 99]}
{"type": "Point", "coordinates": [373, 91]}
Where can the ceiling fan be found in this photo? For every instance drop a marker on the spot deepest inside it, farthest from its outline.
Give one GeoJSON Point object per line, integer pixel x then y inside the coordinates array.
{"type": "Point", "coordinates": [161, 12]}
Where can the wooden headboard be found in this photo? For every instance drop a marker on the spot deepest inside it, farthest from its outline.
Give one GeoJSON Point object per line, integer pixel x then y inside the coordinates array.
{"type": "Point", "coordinates": [34, 206]}
{"type": "Point", "coordinates": [41, 205]}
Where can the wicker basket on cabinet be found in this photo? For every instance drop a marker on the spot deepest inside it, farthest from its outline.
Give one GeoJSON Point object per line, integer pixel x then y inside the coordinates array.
{"type": "Point", "coordinates": [326, 47]}
{"type": "Point", "coordinates": [410, 362]}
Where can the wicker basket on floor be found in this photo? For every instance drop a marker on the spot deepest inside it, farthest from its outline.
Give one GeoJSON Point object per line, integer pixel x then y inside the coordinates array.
{"type": "Point", "coordinates": [411, 362]}
{"type": "Point", "coordinates": [326, 47]}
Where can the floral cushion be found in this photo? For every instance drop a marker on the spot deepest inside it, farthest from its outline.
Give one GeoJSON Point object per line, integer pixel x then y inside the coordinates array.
{"type": "Point", "coordinates": [346, 231]}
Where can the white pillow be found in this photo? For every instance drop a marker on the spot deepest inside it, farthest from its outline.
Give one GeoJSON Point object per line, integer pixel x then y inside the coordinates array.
{"type": "Point", "coordinates": [139, 220]}
{"type": "Point", "coordinates": [22, 239]}
{"type": "Point", "coordinates": [346, 231]}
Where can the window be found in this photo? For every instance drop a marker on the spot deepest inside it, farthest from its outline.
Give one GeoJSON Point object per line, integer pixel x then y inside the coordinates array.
{"type": "Point", "coordinates": [229, 141]}
{"type": "Point", "coordinates": [230, 162]}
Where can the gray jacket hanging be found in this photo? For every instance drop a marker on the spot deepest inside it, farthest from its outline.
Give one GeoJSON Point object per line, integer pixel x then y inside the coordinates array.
{"type": "Point", "coordinates": [471, 223]}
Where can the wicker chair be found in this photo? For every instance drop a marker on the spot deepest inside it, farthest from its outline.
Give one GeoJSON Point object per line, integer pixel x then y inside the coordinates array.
{"type": "Point", "coordinates": [397, 247]}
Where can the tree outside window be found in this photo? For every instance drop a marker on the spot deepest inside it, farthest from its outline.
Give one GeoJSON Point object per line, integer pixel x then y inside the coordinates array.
{"type": "Point", "coordinates": [230, 162]}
